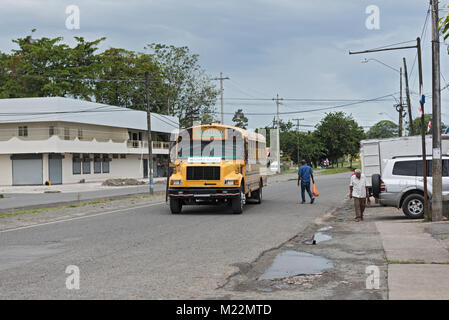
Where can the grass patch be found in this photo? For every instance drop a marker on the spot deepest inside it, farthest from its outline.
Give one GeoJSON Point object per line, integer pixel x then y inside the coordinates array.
{"type": "Point", "coordinates": [334, 170]}
{"type": "Point", "coordinates": [75, 205]}
{"type": "Point", "coordinates": [405, 262]}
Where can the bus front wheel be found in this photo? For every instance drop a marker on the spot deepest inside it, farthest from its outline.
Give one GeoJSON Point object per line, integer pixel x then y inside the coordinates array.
{"type": "Point", "coordinates": [238, 202]}
{"type": "Point", "coordinates": [175, 205]}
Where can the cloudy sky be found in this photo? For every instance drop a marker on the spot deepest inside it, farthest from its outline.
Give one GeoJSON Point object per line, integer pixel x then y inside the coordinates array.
{"type": "Point", "coordinates": [295, 48]}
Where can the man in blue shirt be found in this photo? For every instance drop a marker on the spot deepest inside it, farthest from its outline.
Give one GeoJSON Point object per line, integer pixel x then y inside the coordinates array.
{"type": "Point", "coordinates": [304, 175]}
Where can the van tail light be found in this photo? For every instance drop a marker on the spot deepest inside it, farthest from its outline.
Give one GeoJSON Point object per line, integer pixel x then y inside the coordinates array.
{"type": "Point", "coordinates": [382, 186]}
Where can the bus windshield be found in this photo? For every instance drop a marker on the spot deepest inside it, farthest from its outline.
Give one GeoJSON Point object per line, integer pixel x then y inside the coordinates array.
{"type": "Point", "coordinates": [227, 149]}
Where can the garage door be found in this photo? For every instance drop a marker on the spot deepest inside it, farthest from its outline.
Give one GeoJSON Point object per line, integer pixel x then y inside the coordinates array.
{"type": "Point", "coordinates": [27, 169]}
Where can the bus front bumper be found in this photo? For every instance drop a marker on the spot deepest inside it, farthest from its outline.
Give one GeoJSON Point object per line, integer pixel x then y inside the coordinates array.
{"type": "Point", "coordinates": [204, 193]}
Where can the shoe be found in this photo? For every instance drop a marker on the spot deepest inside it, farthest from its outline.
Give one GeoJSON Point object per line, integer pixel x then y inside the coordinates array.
{"type": "Point", "coordinates": [357, 220]}
{"type": "Point", "coordinates": [302, 202]}
{"type": "Point", "coordinates": [311, 201]}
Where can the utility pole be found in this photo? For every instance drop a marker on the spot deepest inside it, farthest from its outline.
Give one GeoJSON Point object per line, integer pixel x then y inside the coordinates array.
{"type": "Point", "coordinates": [437, 165]}
{"type": "Point", "coordinates": [409, 105]}
{"type": "Point", "coordinates": [221, 94]}
{"type": "Point", "coordinates": [277, 99]}
{"type": "Point", "coordinates": [168, 105]}
{"type": "Point", "coordinates": [423, 130]}
{"type": "Point", "coordinates": [150, 141]}
{"type": "Point", "coordinates": [297, 138]}
{"type": "Point", "coordinates": [400, 108]}
{"type": "Point", "coordinates": [421, 101]}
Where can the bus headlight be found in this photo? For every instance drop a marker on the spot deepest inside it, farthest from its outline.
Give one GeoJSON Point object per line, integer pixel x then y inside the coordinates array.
{"type": "Point", "coordinates": [176, 182]}
{"type": "Point", "coordinates": [230, 182]}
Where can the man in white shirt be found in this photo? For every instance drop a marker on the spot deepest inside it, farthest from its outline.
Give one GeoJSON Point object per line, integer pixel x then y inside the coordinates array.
{"type": "Point", "coordinates": [359, 191]}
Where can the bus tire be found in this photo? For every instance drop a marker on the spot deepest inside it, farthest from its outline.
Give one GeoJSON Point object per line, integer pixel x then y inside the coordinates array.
{"type": "Point", "coordinates": [175, 205]}
{"type": "Point", "coordinates": [237, 202]}
{"type": "Point", "coordinates": [258, 194]}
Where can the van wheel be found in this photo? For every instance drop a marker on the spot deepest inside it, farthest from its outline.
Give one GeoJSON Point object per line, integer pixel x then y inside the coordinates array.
{"type": "Point", "coordinates": [238, 202]}
{"type": "Point", "coordinates": [175, 205]}
{"type": "Point", "coordinates": [258, 194]}
{"type": "Point", "coordinates": [375, 182]}
{"type": "Point", "coordinates": [413, 206]}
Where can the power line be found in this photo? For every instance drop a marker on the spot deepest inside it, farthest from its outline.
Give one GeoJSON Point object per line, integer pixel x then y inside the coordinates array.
{"type": "Point", "coordinates": [321, 109]}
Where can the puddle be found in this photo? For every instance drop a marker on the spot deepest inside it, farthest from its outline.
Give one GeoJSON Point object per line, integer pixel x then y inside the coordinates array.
{"type": "Point", "coordinates": [293, 263]}
{"type": "Point", "coordinates": [320, 237]}
{"type": "Point", "coordinates": [325, 228]}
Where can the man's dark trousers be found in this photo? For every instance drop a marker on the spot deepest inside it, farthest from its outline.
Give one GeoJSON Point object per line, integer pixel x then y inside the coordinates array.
{"type": "Point", "coordinates": [305, 186]}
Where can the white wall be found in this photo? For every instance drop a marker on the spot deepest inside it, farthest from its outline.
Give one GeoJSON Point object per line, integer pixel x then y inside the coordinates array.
{"type": "Point", "coordinates": [5, 170]}
{"type": "Point", "coordinates": [131, 167]}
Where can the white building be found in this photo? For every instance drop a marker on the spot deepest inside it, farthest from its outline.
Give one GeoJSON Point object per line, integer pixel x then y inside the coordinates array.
{"type": "Point", "coordinates": [64, 140]}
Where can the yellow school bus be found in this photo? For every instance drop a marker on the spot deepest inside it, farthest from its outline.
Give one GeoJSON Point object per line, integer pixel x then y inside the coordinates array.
{"type": "Point", "coordinates": [217, 164]}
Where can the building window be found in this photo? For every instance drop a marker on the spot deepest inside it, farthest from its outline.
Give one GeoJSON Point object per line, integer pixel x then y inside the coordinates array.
{"type": "Point", "coordinates": [66, 134]}
{"type": "Point", "coordinates": [86, 164]}
{"type": "Point", "coordinates": [76, 164]}
{"type": "Point", "coordinates": [106, 161]}
{"type": "Point", "coordinates": [80, 134]}
{"type": "Point", "coordinates": [51, 131]}
{"type": "Point", "coordinates": [97, 164]}
{"type": "Point", "coordinates": [23, 131]}
{"type": "Point", "coordinates": [115, 156]}
{"type": "Point", "coordinates": [123, 156]}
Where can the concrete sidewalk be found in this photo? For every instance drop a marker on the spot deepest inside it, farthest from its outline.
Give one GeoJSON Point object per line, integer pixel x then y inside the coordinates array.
{"type": "Point", "coordinates": [417, 253]}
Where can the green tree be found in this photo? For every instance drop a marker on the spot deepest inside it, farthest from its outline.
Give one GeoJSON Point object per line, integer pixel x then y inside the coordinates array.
{"type": "Point", "coordinates": [383, 129]}
{"type": "Point", "coordinates": [340, 134]}
{"type": "Point", "coordinates": [417, 124]}
{"type": "Point", "coordinates": [192, 93]}
{"type": "Point", "coordinates": [239, 119]}
{"type": "Point", "coordinates": [46, 67]}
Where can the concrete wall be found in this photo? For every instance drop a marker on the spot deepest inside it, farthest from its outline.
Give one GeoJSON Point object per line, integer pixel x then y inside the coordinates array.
{"type": "Point", "coordinates": [5, 170]}
{"type": "Point", "coordinates": [131, 167]}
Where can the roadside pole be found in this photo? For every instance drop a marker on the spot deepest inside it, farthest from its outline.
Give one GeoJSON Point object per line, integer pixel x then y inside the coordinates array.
{"type": "Point", "coordinates": [221, 78]}
{"type": "Point", "coordinates": [437, 188]}
{"type": "Point", "coordinates": [423, 131]}
{"type": "Point", "coordinates": [150, 141]}
{"type": "Point", "coordinates": [297, 138]}
{"type": "Point", "coordinates": [278, 132]}
{"type": "Point", "coordinates": [409, 105]}
{"type": "Point", "coordinates": [400, 107]}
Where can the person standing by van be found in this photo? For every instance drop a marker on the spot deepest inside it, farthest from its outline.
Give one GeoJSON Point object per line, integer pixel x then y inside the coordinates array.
{"type": "Point", "coordinates": [305, 173]}
{"type": "Point", "coordinates": [359, 191]}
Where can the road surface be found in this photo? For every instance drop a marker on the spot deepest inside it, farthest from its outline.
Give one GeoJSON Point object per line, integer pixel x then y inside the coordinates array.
{"type": "Point", "coordinates": [147, 253]}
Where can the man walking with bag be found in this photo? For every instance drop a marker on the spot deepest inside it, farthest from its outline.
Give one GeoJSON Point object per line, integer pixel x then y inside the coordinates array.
{"type": "Point", "coordinates": [304, 175]}
{"type": "Point", "coordinates": [359, 191]}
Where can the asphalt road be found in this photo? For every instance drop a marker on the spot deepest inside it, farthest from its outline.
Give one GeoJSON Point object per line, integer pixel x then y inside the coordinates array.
{"type": "Point", "coordinates": [147, 253]}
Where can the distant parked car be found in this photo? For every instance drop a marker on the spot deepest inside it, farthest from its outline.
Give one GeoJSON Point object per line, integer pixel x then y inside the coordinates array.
{"type": "Point", "coordinates": [401, 184]}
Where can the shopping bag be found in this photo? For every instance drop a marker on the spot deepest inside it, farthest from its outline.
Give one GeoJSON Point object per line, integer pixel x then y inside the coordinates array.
{"type": "Point", "coordinates": [315, 191]}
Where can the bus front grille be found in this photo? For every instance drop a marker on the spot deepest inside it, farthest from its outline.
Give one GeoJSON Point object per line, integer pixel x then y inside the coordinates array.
{"type": "Point", "coordinates": [203, 173]}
